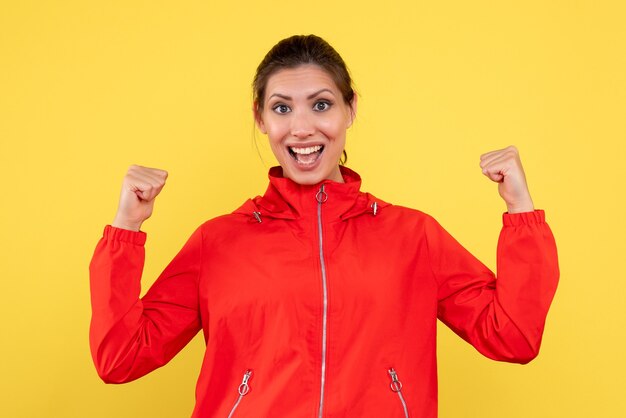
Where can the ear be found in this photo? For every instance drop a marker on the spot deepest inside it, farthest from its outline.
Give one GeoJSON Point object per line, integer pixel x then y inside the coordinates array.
{"type": "Point", "coordinates": [353, 104]}
{"type": "Point", "coordinates": [258, 120]}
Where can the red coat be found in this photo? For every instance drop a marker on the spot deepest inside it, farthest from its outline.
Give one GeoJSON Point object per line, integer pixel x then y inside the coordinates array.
{"type": "Point", "coordinates": [319, 292]}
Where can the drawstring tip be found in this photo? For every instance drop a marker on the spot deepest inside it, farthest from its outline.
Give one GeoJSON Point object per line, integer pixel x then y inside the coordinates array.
{"type": "Point", "coordinates": [257, 216]}
{"type": "Point", "coordinates": [375, 208]}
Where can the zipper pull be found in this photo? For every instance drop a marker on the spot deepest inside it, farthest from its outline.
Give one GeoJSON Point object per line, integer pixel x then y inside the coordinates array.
{"type": "Point", "coordinates": [244, 388]}
{"type": "Point", "coordinates": [321, 195]}
{"type": "Point", "coordinates": [395, 384]}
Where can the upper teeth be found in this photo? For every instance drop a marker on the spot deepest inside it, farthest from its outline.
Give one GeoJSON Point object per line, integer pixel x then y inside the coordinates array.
{"type": "Point", "coordinates": [307, 150]}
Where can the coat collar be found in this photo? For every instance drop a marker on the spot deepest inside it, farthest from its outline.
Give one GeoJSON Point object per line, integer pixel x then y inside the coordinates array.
{"type": "Point", "coordinates": [285, 199]}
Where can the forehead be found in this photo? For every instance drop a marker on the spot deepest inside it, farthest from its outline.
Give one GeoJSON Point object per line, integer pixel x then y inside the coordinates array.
{"type": "Point", "coordinates": [303, 79]}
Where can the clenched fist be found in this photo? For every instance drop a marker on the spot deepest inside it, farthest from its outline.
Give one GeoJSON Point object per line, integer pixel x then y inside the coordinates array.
{"type": "Point", "coordinates": [505, 168]}
{"type": "Point", "coordinates": [140, 187]}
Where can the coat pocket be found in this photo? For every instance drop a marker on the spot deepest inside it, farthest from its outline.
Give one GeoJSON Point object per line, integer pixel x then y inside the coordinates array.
{"type": "Point", "coordinates": [396, 386]}
{"type": "Point", "coordinates": [242, 391]}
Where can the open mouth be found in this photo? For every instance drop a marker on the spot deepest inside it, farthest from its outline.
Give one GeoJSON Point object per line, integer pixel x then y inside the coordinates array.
{"type": "Point", "coordinates": [306, 155]}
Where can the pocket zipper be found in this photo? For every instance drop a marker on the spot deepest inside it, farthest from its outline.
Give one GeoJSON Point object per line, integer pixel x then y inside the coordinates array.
{"type": "Point", "coordinates": [396, 386]}
{"type": "Point", "coordinates": [243, 390]}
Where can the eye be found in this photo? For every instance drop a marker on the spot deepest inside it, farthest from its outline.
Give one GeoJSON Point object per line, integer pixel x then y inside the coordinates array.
{"type": "Point", "coordinates": [321, 106]}
{"type": "Point", "coordinates": [281, 109]}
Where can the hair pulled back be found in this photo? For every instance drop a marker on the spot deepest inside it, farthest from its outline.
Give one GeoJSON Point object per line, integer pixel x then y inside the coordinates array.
{"type": "Point", "coordinates": [301, 50]}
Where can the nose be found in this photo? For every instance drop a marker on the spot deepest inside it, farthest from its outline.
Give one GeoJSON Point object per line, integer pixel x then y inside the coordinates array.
{"type": "Point", "coordinates": [302, 125]}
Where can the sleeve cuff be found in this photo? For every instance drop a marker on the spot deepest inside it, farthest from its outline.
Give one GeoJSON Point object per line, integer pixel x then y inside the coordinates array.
{"type": "Point", "coordinates": [119, 234]}
{"type": "Point", "coordinates": [524, 218]}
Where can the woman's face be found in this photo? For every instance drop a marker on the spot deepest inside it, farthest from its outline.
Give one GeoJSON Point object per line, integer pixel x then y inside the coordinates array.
{"type": "Point", "coordinates": [305, 118]}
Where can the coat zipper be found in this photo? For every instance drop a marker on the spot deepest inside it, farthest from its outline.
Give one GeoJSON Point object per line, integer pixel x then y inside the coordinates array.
{"type": "Point", "coordinates": [243, 390]}
{"type": "Point", "coordinates": [396, 386]}
{"type": "Point", "coordinates": [322, 197]}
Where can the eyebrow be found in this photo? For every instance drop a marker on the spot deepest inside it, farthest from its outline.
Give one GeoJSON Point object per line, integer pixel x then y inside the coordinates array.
{"type": "Point", "coordinates": [310, 96]}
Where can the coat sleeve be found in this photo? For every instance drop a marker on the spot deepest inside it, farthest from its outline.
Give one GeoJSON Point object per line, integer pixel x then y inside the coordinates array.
{"type": "Point", "coordinates": [503, 317]}
{"type": "Point", "coordinates": [129, 336]}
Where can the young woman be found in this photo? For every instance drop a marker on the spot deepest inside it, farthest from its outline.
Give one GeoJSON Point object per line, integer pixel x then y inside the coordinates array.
{"type": "Point", "coordinates": [316, 299]}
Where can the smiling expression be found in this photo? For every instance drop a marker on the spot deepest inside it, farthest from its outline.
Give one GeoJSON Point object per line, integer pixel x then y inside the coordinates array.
{"type": "Point", "coordinates": [305, 118]}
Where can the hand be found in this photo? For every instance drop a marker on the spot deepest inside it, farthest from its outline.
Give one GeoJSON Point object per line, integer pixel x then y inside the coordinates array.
{"type": "Point", "coordinates": [140, 187]}
{"type": "Point", "coordinates": [505, 168]}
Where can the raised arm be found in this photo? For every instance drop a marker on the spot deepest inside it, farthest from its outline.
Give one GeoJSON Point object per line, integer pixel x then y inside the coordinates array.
{"type": "Point", "coordinates": [129, 336]}
{"type": "Point", "coordinates": [503, 318]}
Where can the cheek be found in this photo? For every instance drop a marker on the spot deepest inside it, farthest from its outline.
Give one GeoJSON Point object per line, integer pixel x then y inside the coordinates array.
{"type": "Point", "coordinates": [274, 131]}
{"type": "Point", "coordinates": [334, 128]}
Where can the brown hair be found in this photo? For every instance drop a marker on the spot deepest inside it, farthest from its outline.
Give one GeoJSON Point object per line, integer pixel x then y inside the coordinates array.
{"type": "Point", "coordinates": [300, 50]}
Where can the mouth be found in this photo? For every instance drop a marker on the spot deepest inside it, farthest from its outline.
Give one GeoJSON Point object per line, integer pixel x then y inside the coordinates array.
{"type": "Point", "coordinates": [306, 156]}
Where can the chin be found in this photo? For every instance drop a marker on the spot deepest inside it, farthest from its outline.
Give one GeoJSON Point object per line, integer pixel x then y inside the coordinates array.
{"type": "Point", "coordinates": [304, 178]}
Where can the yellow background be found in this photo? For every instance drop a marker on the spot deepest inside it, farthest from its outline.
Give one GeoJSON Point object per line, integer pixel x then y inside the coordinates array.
{"type": "Point", "coordinates": [89, 87]}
